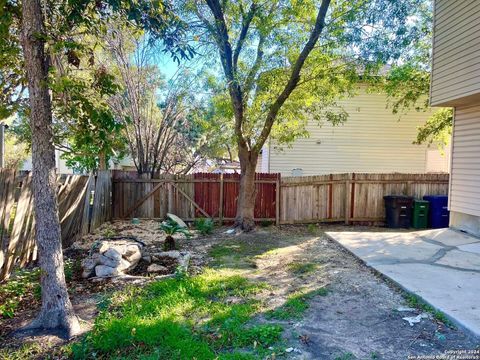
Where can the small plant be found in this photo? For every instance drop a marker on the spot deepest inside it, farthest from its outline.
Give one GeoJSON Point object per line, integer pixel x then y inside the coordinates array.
{"type": "Point", "coordinates": [108, 232]}
{"type": "Point", "coordinates": [312, 228]}
{"type": "Point", "coordinates": [171, 228]}
{"type": "Point", "coordinates": [417, 302]}
{"type": "Point", "coordinates": [204, 225]}
{"type": "Point", "coordinates": [299, 268]}
{"type": "Point", "coordinates": [266, 223]}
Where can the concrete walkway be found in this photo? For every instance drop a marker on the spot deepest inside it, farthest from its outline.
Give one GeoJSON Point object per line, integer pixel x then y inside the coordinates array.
{"type": "Point", "coordinates": [441, 266]}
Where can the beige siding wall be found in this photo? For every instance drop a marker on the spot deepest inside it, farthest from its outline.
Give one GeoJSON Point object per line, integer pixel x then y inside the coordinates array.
{"type": "Point", "coordinates": [465, 175]}
{"type": "Point", "coordinates": [372, 140]}
{"type": "Point", "coordinates": [456, 52]}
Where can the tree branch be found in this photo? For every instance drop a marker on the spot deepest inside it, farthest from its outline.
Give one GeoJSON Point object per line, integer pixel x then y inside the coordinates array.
{"type": "Point", "coordinates": [225, 50]}
{"type": "Point", "coordinates": [294, 76]}
{"type": "Point", "coordinates": [246, 21]}
{"type": "Point", "coordinates": [249, 81]}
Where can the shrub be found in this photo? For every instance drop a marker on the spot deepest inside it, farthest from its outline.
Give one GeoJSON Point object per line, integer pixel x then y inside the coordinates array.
{"type": "Point", "coordinates": [266, 223]}
{"type": "Point", "coordinates": [204, 225]}
{"type": "Point", "coordinates": [171, 228]}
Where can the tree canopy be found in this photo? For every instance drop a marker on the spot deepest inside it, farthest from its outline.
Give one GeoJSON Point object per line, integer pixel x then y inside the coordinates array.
{"type": "Point", "coordinates": [407, 83]}
{"type": "Point", "coordinates": [285, 63]}
{"type": "Point", "coordinates": [85, 127]}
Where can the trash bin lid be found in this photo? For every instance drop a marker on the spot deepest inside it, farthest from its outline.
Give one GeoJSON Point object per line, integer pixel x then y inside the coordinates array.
{"type": "Point", "coordinates": [392, 197]}
{"type": "Point", "coordinates": [435, 197]}
{"type": "Point", "coordinates": [419, 201]}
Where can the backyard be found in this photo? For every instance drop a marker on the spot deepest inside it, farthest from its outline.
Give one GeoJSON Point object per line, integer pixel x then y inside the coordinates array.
{"type": "Point", "coordinates": [286, 292]}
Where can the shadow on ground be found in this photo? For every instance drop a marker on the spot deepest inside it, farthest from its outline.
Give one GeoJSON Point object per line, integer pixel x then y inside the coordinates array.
{"type": "Point", "coordinates": [288, 293]}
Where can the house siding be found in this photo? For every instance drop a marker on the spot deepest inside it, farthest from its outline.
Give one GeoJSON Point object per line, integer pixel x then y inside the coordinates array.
{"type": "Point", "coordinates": [373, 140]}
{"type": "Point", "coordinates": [465, 174]}
{"type": "Point", "coordinates": [456, 52]}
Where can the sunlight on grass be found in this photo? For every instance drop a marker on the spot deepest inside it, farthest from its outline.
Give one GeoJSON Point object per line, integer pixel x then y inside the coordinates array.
{"type": "Point", "coordinates": [182, 319]}
{"type": "Point", "coordinates": [296, 305]}
{"type": "Point", "coordinates": [234, 255]}
{"type": "Point", "coordinates": [299, 268]}
{"type": "Point", "coordinates": [21, 286]}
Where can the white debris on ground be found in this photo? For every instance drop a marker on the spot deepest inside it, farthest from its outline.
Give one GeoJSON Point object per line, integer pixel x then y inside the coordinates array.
{"type": "Point", "coordinates": [412, 320]}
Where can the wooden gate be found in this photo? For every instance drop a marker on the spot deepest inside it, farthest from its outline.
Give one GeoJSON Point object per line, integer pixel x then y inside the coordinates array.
{"type": "Point", "coordinates": [190, 196]}
{"type": "Point", "coordinates": [218, 194]}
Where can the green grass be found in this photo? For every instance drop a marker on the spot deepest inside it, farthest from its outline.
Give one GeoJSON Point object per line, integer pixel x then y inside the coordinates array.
{"type": "Point", "coordinates": [299, 268]}
{"type": "Point", "coordinates": [21, 285]}
{"type": "Point", "coordinates": [24, 285]}
{"type": "Point", "coordinates": [295, 305]}
{"type": "Point", "coordinates": [182, 319]}
{"type": "Point", "coordinates": [26, 351]}
{"type": "Point", "coordinates": [312, 228]}
{"type": "Point", "coordinates": [232, 255]}
{"type": "Point", "coordinates": [416, 302]}
{"type": "Point", "coordinates": [204, 226]}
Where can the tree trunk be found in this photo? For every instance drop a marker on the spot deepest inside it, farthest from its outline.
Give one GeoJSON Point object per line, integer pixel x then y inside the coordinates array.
{"type": "Point", "coordinates": [102, 161]}
{"type": "Point", "coordinates": [247, 191]}
{"type": "Point", "coordinates": [56, 310]}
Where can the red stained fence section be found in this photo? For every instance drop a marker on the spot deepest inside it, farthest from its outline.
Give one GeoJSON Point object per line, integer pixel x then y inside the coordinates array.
{"type": "Point", "coordinates": [223, 204]}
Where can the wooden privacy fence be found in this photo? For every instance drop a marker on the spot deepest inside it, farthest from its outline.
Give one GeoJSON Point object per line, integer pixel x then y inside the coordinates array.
{"type": "Point", "coordinates": [350, 197]}
{"type": "Point", "coordinates": [83, 205]}
{"type": "Point", "coordinates": [190, 196]}
{"type": "Point", "coordinates": [86, 202]}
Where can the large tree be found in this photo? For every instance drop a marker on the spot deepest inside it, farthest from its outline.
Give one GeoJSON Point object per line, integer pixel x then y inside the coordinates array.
{"type": "Point", "coordinates": [285, 63]}
{"type": "Point", "coordinates": [39, 45]}
{"type": "Point", "coordinates": [56, 311]}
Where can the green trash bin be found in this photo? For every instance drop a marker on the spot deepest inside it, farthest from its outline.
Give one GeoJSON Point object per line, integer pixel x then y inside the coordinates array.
{"type": "Point", "coordinates": [420, 214]}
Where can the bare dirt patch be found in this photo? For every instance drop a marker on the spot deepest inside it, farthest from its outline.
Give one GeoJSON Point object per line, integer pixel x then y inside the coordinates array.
{"type": "Point", "coordinates": [330, 305]}
{"type": "Point", "coordinates": [358, 318]}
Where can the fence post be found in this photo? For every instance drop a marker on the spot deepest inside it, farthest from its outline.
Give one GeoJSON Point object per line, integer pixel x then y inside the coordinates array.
{"type": "Point", "coordinates": [330, 198]}
{"type": "Point", "coordinates": [347, 199]}
{"type": "Point", "coordinates": [352, 198]}
{"type": "Point", "coordinates": [220, 205]}
{"type": "Point", "coordinates": [408, 188]}
{"type": "Point", "coordinates": [277, 201]}
{"type": "Point", "coordinates": [170, 195]}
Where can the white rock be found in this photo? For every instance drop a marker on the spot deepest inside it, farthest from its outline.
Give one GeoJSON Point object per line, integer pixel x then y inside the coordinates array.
{"type": "Point", "coordinates": [289, 350]}
{"type": "Point", "coordinates": [88, 266]}
{"type": "Point", "coordinates": [113, 254]}
{"type": "Point", "coordinates": [176, 219]}
{"type": "Point", "coordinates": [103, 246]}
{"type": "Point", "coordinates": [133, 256]}
{"type": "Point", "coordinates": [175, 254]}
{"type": "Point", "coordinates": [125, 265]}
{"type": "Point", "coordinates": [104, 260]}
{"type": "Point", "coordinates": [105, 271]}
{"type": "Point", "coordinates": [156, 268]}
